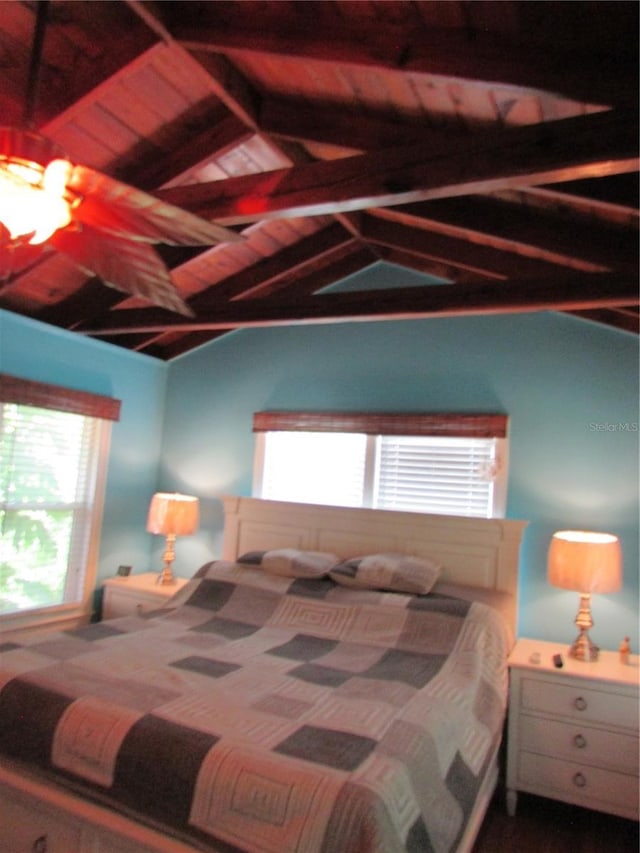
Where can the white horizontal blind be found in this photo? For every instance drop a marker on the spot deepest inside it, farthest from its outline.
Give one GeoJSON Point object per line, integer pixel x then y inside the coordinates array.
{"type": "Point", "coordinates": [453, 476]}
{"type": "Point", "coordinates": [313, 467]}
{"type": "Point", "coordinates": [48, 466]}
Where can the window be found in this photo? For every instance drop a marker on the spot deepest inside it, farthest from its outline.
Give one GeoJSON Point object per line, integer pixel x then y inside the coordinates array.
{"type": "Point", "coordinates": [452, 464]}
{"type": "Point", "coordinates": [53, 452]}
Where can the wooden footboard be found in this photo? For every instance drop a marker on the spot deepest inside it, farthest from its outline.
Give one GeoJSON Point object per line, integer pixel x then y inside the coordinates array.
{"type": "Point", "coordinates": [37, 816]}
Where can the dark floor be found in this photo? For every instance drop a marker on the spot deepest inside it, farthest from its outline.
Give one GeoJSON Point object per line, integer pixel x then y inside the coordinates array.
{"type": "Point", "coordinates": [546, 826]}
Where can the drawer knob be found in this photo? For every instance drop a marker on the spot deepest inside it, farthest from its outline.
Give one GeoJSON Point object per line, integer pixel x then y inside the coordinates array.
{"type": "Point", "coordinates": [580, 741]}
{"type": "Point", "coordinates": [580, 703]}
{"type": "Point", "coordinates": [579, 780]}
{"type": "Point", "coordinates": [39, 845]}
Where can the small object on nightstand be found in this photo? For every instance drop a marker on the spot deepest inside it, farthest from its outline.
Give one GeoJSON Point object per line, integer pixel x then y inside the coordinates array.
{"type": "Point", "coordinates": [625, 650]}
{"type": "Point", "coordinates": [124, 571]}
{"type": "Point", "coordinates": [557, 661]}
{"type": "Point", "coordinates": [534, 657]}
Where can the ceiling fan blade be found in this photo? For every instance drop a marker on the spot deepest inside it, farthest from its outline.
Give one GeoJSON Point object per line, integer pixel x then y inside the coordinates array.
{"type": "Point", "coordinates": [123, 210]}
{"type": "Point", "coordinates": [132, 267]}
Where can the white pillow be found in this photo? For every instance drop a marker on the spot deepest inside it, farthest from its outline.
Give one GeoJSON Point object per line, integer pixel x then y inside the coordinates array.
{"type": "Point", "coordinates": [294, 563]}
{"type": "Point", "coordinates": [394, 572]}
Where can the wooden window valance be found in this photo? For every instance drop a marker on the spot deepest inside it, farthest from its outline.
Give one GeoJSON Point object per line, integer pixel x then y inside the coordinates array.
{"type": "Point", "coordinates": [385, 423]}
{"type": "Point", "coordinates": [27, 392]}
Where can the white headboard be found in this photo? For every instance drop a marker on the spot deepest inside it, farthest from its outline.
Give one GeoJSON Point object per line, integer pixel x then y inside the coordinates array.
{"type": "Point", "coordinates": [475, 552]}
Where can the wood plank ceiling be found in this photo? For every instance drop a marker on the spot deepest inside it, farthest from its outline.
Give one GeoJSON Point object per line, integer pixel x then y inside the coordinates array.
{"type": "Point", "coordinates": [490, 145]}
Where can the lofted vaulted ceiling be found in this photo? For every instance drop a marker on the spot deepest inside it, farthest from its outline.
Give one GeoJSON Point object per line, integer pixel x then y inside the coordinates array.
{"type": "Point", "coordinates": [490, 145]}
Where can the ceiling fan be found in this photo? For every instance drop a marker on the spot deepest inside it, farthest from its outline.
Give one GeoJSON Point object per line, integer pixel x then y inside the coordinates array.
{"type": "Point", "coordinates": [105, 227]}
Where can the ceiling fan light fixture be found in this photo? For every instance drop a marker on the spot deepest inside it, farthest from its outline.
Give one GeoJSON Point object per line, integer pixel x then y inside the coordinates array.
{"type": "Point", "coordinates": [34, 201]}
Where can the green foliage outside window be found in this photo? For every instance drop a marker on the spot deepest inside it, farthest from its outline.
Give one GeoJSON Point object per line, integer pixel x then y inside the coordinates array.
{"type": "Point", "coordinates": [41, 492]}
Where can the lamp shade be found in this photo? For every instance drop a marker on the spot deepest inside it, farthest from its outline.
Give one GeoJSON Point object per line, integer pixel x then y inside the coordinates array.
{"type": "Point", "coordinates": [584, 561]}
{"type": "Point", "coordinates": [173, 514]}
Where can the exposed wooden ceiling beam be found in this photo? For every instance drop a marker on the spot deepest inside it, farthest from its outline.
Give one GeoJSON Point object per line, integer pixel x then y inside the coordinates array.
{"type": "Point", "coordinates": [563, 203]}
{"type": "Point", "coordinates": [589, 146]}
{"type": "Point", "coordinates": [350, 260]}
{"type": "Point", "coordinates": [620, 319]}
{"type": "Point", "coordinates": [94, 302]}
{"type": "Point", "coordinates": [576, 293]}
{"type": "Point", "coordinates": [232, 88]}
{"type": "Point", "coordinates": [309, 269]}
{"type": "Point", "coordinates": [147, 13]}
{"type": "Point", "coordinates": [417, 95]}
{"type": "Point", "coordinates": [167, 347]}
{"type": "Point", "coordinates": [476, 257]}
{"type": "Point", "coordinates": [330, 124]}
{"type": "Point", "coordinates": [173, 344]}
{"type": "Point", "coordinates": [163, 341]}
{"type": "Point", "coordinates": [561, 70]}
{"type": "Point", "coordinates": [92, 299]}
{"type": "Point", "coordinates": [511, 227]}
{"type": "Point", "coordinates": [268, 272]}
{"type": "Point", "coordinates": [445, 270]}
{"type": "Point", "coordinates": [488, 58]}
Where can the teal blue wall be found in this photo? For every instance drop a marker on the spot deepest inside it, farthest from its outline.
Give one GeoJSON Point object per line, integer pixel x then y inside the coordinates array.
{"type": "Point", "coordinates": [35, 351]}
{"type": "Point", "coordinates": [566, 384]}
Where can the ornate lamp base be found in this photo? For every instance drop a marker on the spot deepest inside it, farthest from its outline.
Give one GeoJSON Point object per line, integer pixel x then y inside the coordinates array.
{"type": "Point", "coordinates": [166, 578]}
{"type": "Point", "coordinates": [583, 648]}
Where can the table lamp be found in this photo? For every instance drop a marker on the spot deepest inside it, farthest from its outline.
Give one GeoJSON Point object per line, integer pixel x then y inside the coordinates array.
{"type": "Point", "coordinates": [586, 562]}
{"type": "Point", "coordinates": [172, 514]}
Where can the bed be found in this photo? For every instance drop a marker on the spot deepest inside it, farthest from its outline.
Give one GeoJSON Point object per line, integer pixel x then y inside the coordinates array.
{"type": "Point", "coordinates": [335, 681]}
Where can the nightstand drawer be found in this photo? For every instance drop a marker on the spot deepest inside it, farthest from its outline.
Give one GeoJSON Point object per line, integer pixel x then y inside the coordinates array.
{"type": "Point", "coordinates": [583, 744]}
{"type": "Point", "coordinates": [40, 828]}
{"type": "Point", "coordinates": [580, 784]}
{"type": "Point", "coordinates": [137, 594]}
{"type": "Point", "coordinates": [579, 702]}
{"type": "Point", "coordinates": [125, 604]}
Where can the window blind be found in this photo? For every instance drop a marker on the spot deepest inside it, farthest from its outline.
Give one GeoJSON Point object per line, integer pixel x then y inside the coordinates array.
{"type": "Point", "coordinates": [48, 467]}
{"type": "Point", "coordinates": [451, 476]}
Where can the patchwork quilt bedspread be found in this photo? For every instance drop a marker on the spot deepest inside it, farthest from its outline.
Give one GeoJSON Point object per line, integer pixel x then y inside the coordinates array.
{"type": "Point", "coordinates": [269, 714]}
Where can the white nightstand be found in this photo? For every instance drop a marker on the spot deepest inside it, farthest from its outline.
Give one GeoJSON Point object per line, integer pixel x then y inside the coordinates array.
{"type": "Point", "coordinates": [136, 594]}
{"type": "Point", "coordinates": [573, 732]}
